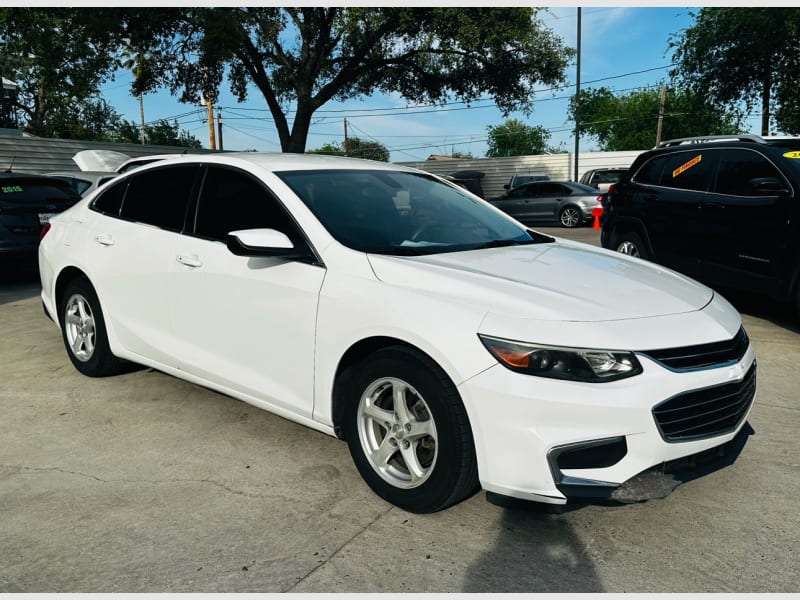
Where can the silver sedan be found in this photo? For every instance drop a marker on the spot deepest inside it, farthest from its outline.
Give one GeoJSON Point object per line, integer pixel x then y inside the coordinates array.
{"type": "Point", "coordinates": [564, 202]}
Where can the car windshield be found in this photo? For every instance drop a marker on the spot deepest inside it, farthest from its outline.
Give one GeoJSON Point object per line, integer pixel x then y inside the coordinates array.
{"type": "Point", "coordinates": [403, 213]}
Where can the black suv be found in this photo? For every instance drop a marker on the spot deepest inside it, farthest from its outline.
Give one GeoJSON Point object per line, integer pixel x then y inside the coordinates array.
{"type": "Point", "coordinates": [26, 203]}
{"type": "Point", "coordinates": [724, 210]}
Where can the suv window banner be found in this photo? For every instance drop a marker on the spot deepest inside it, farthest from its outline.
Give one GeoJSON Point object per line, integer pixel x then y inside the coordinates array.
{"type": "Point", "coordinates": [687, 165]}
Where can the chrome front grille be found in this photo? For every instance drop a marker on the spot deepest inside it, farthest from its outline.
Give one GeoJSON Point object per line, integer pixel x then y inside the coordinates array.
{"type": "Point", "coordinates": [707, 412]}
{"type": "Point", "coordinates": [702, 356]}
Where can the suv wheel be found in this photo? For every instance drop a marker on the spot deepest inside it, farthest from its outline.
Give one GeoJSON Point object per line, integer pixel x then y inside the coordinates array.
{"type": "Point", "coordinates": [631, 244]}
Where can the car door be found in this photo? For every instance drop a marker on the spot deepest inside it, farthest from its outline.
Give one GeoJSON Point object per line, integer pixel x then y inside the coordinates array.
{"type": "Point", "coordinates": [548, 199]}
{"type": "Point", "coordinates": [515, 202]}
{"type": "Point", "coordinates": [748, 224]}
{"type": "Point", "coordinates": [246, 323]}
{"type": "Point", "coordinates": [130, 255]}
{"type": "Point", "coordinates": [677, 184]}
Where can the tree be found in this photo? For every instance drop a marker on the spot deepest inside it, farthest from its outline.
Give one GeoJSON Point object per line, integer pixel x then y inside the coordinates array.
{"type": "Point", "coordinates": [629, 121]}
{"type": "Point", "coordinates": [161, 133]}
{"type": "Point", "coordinates": [515, 138]}
{"type": "Point", "coordinates": [734, 55]}
{"type": "Point", "coordinates": [304, 57]}
{"type": "Point", "coordinates": [358, 148]}
{"type": "Point", "coordinates": [58, 57]}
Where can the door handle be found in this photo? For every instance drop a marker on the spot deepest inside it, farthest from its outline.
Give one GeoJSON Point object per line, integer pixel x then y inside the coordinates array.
{"type": "Point", "coordinates": [104, 240]}
{"type": "Point", "coordinates": [190, 261]}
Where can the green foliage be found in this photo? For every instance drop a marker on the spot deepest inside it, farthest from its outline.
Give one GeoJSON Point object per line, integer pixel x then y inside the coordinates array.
{"type": "Point", "coordinates": [743, 54]}
{"type": "Point", "coordinates": [161, 133]}
{"type": "Point", "coordinates": [515, 138]}
{"type": "Point", "coordinates": [58, 57]}
{"type": "Point", "coordinates": [630, 121]}
{"type": "Point", "coordinates": [299, 58]}
{"type": "Point", "coordinates": [358, 148]}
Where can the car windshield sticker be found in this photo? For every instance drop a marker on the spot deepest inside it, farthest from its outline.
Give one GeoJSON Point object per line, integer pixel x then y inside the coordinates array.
{"type": "Point", "coordinates": [10, 189]}
{"type": "Point", "coordinates": [792, 154]}
{"type": "Point", "coordinates": [687, 165]}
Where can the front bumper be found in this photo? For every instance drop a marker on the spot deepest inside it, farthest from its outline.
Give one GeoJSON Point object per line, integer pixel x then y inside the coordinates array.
{"type": "Point", "coordinates": [522, 424]}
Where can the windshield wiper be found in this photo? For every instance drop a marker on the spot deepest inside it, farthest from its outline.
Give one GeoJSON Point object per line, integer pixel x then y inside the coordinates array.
{"type": "Point", "coordinates": [504, 243]}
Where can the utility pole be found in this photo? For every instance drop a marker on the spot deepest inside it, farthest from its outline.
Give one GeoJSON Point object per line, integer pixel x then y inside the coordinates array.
{"type": "Point", "coordinates": [346, 141]}
{"type": "Point", "coordinates": [219, 129]}
{"type": "Point", "coordinates": [212, 144]}
{"type": "Point", "coordinates": [141, 117]}
{"type": "Point", "coordinates": [578, 100]}
{"type": "Point", "coordinates": [662, 101]}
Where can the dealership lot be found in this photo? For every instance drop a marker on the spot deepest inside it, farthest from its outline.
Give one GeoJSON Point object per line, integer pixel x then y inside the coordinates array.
{"type": "Point", "coordinates": [145, 483]}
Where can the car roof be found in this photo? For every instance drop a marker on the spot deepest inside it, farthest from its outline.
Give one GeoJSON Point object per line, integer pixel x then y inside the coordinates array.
{"type": "Point", "coordinates": [276, 162]}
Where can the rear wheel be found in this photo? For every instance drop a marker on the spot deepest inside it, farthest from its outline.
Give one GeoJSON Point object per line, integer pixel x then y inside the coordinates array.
{"type": "Point", "coordinates": [84, 331]}
{"type": "Point", "coordinates": [408, 431]}
{"type": "Point", "coordinates": [570, 216]}
{"type": "Point", "coordinates": [631, 244]}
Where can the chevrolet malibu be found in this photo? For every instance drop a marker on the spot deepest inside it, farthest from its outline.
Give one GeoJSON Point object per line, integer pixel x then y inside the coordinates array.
{"type": "Point", "coordinates": [449, 345]}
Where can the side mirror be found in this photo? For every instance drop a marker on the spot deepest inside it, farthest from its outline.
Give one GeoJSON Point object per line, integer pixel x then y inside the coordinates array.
{"type": "Point", "coordinates": [506, 186]}
{"type": "Point", "coordinates": [262, 242]}
{"type": "Point", "coordinates": [767, 186]}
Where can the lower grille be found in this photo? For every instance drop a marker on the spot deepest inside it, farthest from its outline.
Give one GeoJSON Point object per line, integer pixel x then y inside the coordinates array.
{"type": "Point", "coordinates": [707, 412]}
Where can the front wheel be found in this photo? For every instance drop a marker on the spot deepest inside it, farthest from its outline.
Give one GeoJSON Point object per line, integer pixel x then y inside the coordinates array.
{"type": "Point", "coordinates": [570, 216]}
{"type": "Point", "coordinates": [84, 331]}
{"type": "Point", "coordinates": [631, 244]}
{"type": "Point", "coordinates": [408, 432]}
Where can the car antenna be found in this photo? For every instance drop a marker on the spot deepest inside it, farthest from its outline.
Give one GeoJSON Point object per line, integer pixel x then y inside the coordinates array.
{"type": "Point", "coordinates": [14, 158]}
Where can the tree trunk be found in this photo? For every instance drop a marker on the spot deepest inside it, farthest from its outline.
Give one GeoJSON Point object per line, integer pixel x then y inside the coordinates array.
{"type": "Point", "coordinates": [302, 123]}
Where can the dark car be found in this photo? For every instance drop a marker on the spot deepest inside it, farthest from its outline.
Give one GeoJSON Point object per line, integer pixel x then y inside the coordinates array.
{"type": "Point", "coordinates": [565, 202]}
{"type": "Point", "coordinates": [724, 210]}
{"type": "Point", "coordinates": [26, 204]}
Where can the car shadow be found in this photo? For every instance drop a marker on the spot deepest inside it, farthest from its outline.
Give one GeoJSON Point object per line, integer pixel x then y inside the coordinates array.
{"type": "Point", "coordinates": [777, 313]}
{"type": "Point", "coordinates": [535, 552]}
{"type": "Point", "coordinates": [18, 284]}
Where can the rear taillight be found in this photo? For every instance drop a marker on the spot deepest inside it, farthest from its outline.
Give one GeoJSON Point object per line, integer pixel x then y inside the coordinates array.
{"type": "Point", "coordinates": [600, 198]}
{"type": "Point", "coordinates": [43, 232]}
{"type": "Point", "coordinates": [610, 189]}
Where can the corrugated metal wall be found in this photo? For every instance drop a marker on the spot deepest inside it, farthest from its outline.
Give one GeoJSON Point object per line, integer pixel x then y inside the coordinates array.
{"type": "Point", "coordinates": [499, 170]}
{"type": "Point", "coordinates": [42, 155]}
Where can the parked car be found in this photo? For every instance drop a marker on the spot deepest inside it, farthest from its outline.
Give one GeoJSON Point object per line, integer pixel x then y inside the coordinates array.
{"type": "Point", "coordinates": [451, 347]}
{"type": "Point", "coordinates": [522, 178]}
{"type": "Point", "coordinates": [723, 210]}
{"type": "Point", "coordinates": [83, 182]}
{"type": "Point", "coordinates": [469, 180]}
{"type": "Point", "coordinates": [26, 203]}
{"type": "Point", "coordinates": [601, 179]}
{"type": "Point", "coordinates": [564, 202]}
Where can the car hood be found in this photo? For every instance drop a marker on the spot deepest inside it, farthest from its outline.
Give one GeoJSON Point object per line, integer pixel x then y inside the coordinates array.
{"type": "Point", "coordinates": [561, 281]}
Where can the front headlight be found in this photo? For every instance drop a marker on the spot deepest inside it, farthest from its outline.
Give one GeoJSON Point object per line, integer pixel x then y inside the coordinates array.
{"type": "Point", "coordinates": [573, 364]}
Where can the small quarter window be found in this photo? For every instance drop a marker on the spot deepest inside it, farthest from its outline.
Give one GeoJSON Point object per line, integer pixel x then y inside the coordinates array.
{"type": "Point", "coordinates": [110, 201]}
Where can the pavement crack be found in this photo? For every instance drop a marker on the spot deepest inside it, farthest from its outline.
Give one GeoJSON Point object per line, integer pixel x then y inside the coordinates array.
{"type": "Point", "coordinates": [339, 549]}
{"type": "Point", "coordinates": [19, 468]}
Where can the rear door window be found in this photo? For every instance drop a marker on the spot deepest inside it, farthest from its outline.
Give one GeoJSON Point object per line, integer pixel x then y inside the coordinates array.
{"type": "Point", "coordinates": [160, 197]}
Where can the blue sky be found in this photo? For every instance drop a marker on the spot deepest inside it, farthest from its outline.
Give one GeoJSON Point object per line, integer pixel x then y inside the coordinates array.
{"type": "Point", "coordinates": [622, 48]}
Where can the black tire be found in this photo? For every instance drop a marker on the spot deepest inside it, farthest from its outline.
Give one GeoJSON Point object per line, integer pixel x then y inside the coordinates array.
{"type": "Point", "coordinates": [83, 330]}
{"type": "Point", "coordinates": [570, 216]}
{"type": "Point", "coordinates": [430, 436]}
{"type": "Point", "coordinates": [632, 244]}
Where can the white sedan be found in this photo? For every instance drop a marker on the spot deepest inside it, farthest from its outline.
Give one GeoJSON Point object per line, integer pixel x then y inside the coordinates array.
{"type": "Point", "coordinates": [450, 346]}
